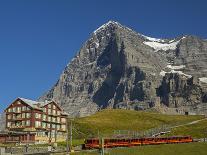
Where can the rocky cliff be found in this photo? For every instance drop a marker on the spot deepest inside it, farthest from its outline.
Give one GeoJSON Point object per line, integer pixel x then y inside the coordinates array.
{"type": "Point", "coordinates": [120, 68]}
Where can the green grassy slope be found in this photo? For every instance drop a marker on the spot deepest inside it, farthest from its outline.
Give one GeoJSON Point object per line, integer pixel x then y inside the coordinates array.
{"type": "Point", "coordinates": [198, 130]}
{"type": "Point", "coordinates": [107, 121]}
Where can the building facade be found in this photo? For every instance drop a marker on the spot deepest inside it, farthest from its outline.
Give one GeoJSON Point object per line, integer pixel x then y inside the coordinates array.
{"type": "Point", "coordinates": [44, 119]}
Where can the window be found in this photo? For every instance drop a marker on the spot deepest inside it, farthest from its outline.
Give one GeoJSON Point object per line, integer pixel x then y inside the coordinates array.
{"type": "Point", "coordinates": [18, 116]}
{"type": "Point", "coordinates": [49, 118]}
{"type": "Point", "coordinates": [49, 105]}
{"type": "Point", "coordinates": [49, 125]}
{"type": "Point", "coordinates": [58, 127]}
{"type": "Point", "coordinates": [44, 110]}
{"type": "Point", "coordinates": [14, 109]}
{"type": "Point", "coordinates": [23, 115]}
{"type": "Point", "coordinates": [44, 117]}
{"type": "Point", "coordinates": [18, 109]}
{"type": "Point", "coordinates": [63, 127]}
{"type": "Point", "coordinates": [9, 116]}
{"type": "Point", "coordinates": [23, 123]}
{"type": "Point", "coordinates": [28, 108]}
{"type": "Point", "coordinates": [63, 120]}
{"type": "Point", "coordinates": [58, 112]}
{"type": "Point", "coordinates": [10, 110]}
{"type": "Point", "coordinates": [14, 116]}
{"type": "Point", "coordinates": [28, 123]}
{"type": "Point", "coordinates": [8, 124]}
{"type": "Point", "coordinates": [49, 111]}
{"type": "Point", "coordinates": [37, 115]}
{"type": "Point", "coordinates": [23, 108]}
{"type": "Point", "coordinates": [37, 124]}
{"type": "Point", "coordinates": [28, 115]}
{"type": "Point", "coordinates": [53, 112]}
{"type": "Point", "coordinates": [58, 119]}
{"type": "Point", "coordinates": [43, 124]}
{"type": "Point", "coordinates": [53, 134]}
{"type": "Point", "coordinates": [53, 119]}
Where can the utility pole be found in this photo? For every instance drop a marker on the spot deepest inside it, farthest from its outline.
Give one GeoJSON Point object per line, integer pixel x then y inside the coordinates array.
{"type": "Point", "coordinates": [50, 138]}
{"type": "Point", "coordinates": [55, 133]}
{"type": "Point", "coordinates": [71, 135]}
{"type": "Point", "coordinates": [101, 141]}
{"type": "Point", "coordinates": [67, 136]}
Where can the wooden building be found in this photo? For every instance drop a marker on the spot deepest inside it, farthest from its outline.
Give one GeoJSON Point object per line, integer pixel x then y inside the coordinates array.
{"type": "Point", "coordinates": [46, 120]}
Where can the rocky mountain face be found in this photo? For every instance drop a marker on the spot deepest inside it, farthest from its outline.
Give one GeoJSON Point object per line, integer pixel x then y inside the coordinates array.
{"type": "Point", "coordinates": [120, 68]}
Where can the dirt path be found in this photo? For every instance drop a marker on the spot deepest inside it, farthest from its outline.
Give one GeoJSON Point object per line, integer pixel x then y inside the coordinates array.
{"type": "Point", "coordinates": [193, 122]}
{"type": "Point", "coordinates": [176, 126]}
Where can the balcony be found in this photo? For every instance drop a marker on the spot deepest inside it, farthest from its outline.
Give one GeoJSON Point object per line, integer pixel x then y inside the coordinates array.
{"type": "Point", "coordinates": [52, 114]}
{"type": "Point", "coordinates": [45, 120]}
{"type": "Point", "coordinates": [16, 127]}
{"type": "Point", "coordinates": [18, 119]}
{"type": "Point", "coordinates": [39, 127]}
{"type": "Point", "coordinates": [17, 112]}
{"type": "Point", "coordinates": [62, 129]}
{"type": "Point", "coordinates": [14, 119]}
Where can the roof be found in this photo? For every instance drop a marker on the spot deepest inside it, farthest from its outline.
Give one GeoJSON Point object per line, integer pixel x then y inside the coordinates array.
{"type": "Point", "coordinates": [64, 113]}
{"type": "Point", "coordinates": [31, 103]}
{"type": "Point", "coordinates": [38, 105]}
{"type": "Point", "coordinates": [42, 104]}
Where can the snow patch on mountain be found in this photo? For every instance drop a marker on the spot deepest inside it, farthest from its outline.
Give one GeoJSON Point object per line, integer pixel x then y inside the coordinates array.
{"type": "Point", "coordinates": [108, 24]}
{"type": "Point", "coordinates": [162, 73]}
{"type": "Point", "coordinates": [175, 67]}
{"type": "Point", "coordinates": [203, 79]}
{"type": "Point", "coordinates": [162, 46]}
{"type": "Point", "coordinates": [153, 39]}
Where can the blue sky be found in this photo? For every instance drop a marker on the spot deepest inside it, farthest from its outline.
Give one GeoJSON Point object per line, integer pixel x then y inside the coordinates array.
{"type": "Point", "coordinates": [39, 37]}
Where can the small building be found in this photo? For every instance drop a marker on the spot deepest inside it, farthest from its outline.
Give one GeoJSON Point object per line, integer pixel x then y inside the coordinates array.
{"type": "Point", "coordinates": [35, 121]}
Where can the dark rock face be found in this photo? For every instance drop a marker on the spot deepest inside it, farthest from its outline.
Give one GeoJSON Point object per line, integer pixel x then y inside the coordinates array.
{"type": "Point", "coordinates": [119, 68]}
{"type": "Point", "coordinates": [176, 91]}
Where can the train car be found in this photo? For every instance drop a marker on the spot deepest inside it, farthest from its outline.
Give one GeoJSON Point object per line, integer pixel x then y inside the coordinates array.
{"type": "Point", "coordinates": [108, 143]}
{"type": "Point", "coordinates": [91, 143]}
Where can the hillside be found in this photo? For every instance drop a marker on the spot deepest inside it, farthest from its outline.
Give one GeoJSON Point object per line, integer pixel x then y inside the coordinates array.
{"type": "Point", "coordinates": [197, 130]}
{"type": "Point", "coordinates": [106, 121]}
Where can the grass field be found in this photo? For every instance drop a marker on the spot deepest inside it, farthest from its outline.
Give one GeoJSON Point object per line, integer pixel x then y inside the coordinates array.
{"type": "Point", "coordinates": [106, 121]}
{"type": "Point", "coordinates": [166, 149]}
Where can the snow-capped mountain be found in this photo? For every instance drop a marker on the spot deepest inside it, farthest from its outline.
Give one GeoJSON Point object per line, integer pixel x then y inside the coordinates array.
{"type": "Point", "coordinates": [120, 68]}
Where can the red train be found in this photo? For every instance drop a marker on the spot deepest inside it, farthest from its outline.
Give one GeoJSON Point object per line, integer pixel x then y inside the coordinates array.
{"type": "Point", "coordinates": [95, 144]}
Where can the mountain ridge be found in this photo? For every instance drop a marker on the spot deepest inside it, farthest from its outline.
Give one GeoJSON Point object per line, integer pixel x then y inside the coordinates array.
{"type": "Point", "coordinates": [120, 68]}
